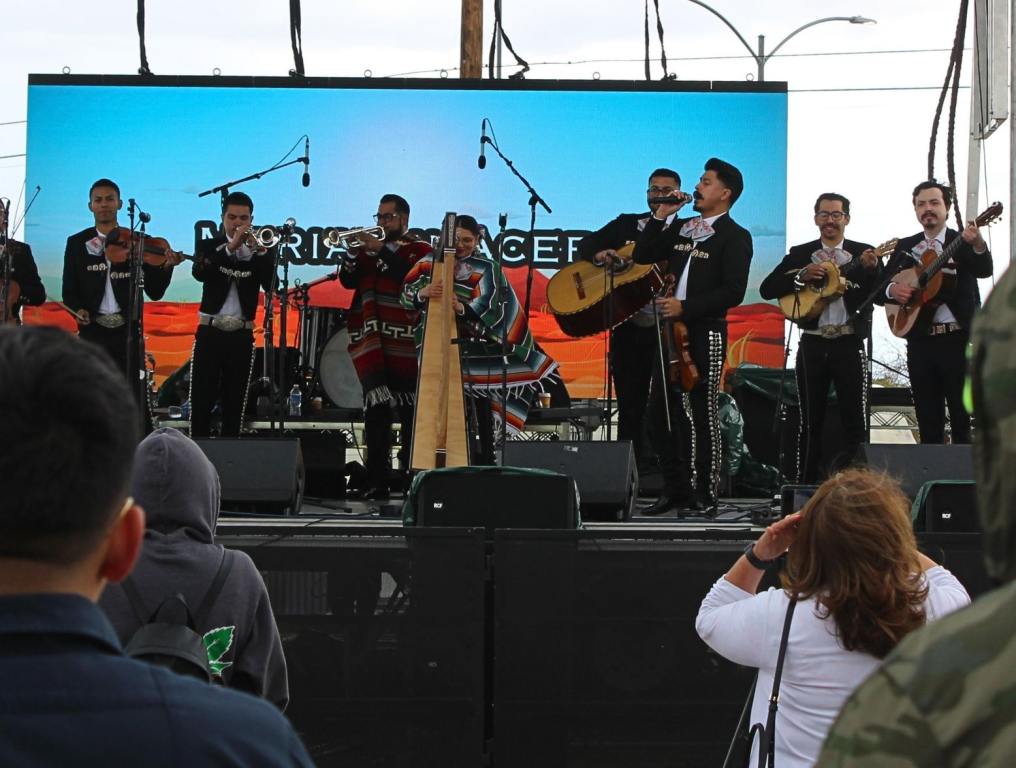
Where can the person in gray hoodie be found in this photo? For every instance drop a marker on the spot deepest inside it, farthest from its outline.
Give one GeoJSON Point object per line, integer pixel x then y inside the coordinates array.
{"type": "Point", "coordinates": [178, 487]}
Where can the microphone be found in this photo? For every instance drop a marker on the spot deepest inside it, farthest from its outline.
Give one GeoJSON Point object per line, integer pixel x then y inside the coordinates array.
{"type": "Point", "coordinates": [481, 161]}
{"type": "Point", "coordinates": [143, 217]}
{"type": "Point", "coordinates": [306, 162]}
{"type": "Point", "coordinates": [678, 199]}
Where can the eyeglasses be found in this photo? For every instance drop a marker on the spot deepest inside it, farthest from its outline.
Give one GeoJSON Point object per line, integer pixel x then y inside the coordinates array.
{"type": "Point", "coordinates": [384, 217]}
{"type": "Point", "coordinates": [827, 215]}
{"type": "Point", "coordinates": [661, 190]}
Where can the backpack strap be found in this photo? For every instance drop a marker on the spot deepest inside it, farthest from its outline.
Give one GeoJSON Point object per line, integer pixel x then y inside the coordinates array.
{"type": "Point", "coordinates": [225, 566]}
{"type": "Point", "coordinates": [767, 756]}
{"type": "Point", "coordinates": [137, 605]}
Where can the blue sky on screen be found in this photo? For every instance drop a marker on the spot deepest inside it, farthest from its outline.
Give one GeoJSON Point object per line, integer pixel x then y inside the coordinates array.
{"type": "Point", "coordinates": [587, 152]}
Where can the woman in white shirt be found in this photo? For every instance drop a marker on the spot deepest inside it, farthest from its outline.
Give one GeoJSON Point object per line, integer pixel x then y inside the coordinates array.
{"type": "Point", "coordinates": [853, 564]}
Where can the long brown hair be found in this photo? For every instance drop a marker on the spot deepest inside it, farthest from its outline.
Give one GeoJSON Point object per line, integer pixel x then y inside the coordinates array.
{"type": "Point", "coordinates": [856, 554]}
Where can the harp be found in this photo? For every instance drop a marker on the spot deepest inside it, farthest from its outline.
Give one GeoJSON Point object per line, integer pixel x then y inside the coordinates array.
{"type": "Point", "coordinates": [439, 422]}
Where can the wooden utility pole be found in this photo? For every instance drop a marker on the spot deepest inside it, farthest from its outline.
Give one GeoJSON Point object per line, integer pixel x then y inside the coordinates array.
{"type": "Point", "coordinates": [471, 44]}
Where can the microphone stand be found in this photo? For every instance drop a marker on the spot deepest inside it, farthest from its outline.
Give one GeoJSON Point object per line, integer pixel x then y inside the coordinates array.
{"type": "Point", "coordinates": [285, 231]}
{"type": "Point", "coordinates": [135, 310]}
{"type": "Point", "coordinates": [223, 189]}
{"type": "Point", "coordinates": [5, 267]}
{"type": "Point", "coordinates": [502, 221]}
{"type": "Point", "coordinates": [891, 269]}
{"type": "Point", "coordinates": [534, 199]}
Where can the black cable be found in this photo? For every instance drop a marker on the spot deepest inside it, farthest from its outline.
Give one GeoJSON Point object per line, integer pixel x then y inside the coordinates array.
{"type": "Point", "coordinates": [296, 37]}
{"type": "Point", "coordinates": [499, 32]}
{"type": "Point", "coordinates": [659, 34]}
{"type": "Point", "coordinates": [950, 86]}
{"type": "Point", "coordinates": [143, 69]}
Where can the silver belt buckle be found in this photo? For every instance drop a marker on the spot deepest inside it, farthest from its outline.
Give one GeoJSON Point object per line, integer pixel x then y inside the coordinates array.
{"type": "Point", "coordinates": [114, 320]}
{"type": "Point", "coordinates": [228, 322]}
{"type": "Point", "coordinates": [834, 331]}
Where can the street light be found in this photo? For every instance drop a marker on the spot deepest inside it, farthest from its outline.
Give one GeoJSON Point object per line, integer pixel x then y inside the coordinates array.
{"type": "Point", "coordinates": [760, 56]}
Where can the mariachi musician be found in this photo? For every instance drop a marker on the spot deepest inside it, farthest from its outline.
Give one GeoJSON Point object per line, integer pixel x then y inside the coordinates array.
{"type": "Point", "coordinates": [232, 267]}
{"type": "Point", "coordinates": [381, 336]}
{"type": "Point", "coordinates": [23, 275]}
{"type": "Point", "coordinates": [937, 344]}
{"type": "Point", "coordinates": [98, 290]}
{"type": "Point", "coordinates": [832, 344]}
{"type": "Point", "coordinates": [709, 257]}
{"type": "Point", "coordinates": [487, 313]}
{"type": "Point", "coordinates": [633, 345]}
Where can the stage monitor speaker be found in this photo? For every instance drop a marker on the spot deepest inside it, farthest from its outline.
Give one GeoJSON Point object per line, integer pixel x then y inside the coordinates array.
{"type": "Point", "coordinates": [947, 507]}
{"type": "Point", "coordinates": [263, 475]}
{"type": "Point", "coordinates": [604, 472]}
{"type": "Point", "coordinates": [914, 465]}
{"type": "Point", "coordinates": [494, 497]}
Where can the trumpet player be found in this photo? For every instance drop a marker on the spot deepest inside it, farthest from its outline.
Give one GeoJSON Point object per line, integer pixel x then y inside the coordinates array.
{"type": "Point", "coordinates": [832, 347]}
{"type": "Point", "coordinates": [232, 268]}
{"type": "Point", "coordinates": [381, 336]}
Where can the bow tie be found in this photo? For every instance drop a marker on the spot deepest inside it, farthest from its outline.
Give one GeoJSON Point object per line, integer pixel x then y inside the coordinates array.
{"type": "Point", "coordinates": [696, 229]}
{"type": "Point", "coordinates": [928, 244]}
{"type": "Point", "coordinates": [836, 255]}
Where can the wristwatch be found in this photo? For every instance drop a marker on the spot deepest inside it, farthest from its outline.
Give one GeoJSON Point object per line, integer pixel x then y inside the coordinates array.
{"type": "Point", "coordinates": [755, 560]}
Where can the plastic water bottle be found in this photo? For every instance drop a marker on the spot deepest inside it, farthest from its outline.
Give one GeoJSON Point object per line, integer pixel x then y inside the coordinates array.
{"type": "Point", "coordinates": [295, 401]}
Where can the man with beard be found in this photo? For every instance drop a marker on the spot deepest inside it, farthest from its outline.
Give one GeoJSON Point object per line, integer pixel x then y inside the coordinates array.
{"type": "Point", "coordinates": [381, 337]}
{"type": "Point", "coordinates": [832, 345]}
{"type": "Point", "coordinates": [633, 345]}
{"type": "Point", "coordinates": [937, 344]}
{"type": "Point", "coordinates": [709, 257]}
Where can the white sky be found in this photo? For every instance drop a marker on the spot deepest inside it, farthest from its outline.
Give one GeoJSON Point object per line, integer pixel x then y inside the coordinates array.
{"type": "Point", "coordinates": [870, 145]}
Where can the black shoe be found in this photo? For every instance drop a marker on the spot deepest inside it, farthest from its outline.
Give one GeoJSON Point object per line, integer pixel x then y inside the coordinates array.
{"type": "Point", "coordinates": [374, 493]}
{"type": "Point", "coordinates": [663, 505]}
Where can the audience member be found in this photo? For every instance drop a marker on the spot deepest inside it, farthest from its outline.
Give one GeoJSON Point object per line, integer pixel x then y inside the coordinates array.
{"type": "Point", "coordinates": [178, 487]}
{"type": "Point", "coordinates": [859, 584]}
{"type": "Point", "coordinates": [67, 527]}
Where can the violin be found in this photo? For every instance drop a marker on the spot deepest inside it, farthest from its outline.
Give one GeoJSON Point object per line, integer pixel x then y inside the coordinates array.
{"type": "Point", "coordinates": [681, 369]}
{"type": "Point", "coordinates": [119, 244]}
{"type": "Point", "coordinates": [10, 311]}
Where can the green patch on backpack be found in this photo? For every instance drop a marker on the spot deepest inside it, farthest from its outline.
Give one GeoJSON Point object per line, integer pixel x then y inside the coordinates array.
{"type": "Point", "coordinates": [217, 642]}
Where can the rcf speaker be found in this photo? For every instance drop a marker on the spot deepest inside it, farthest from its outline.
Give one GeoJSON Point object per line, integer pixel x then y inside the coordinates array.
{"type": "Point", "coordinates": [495, 497]}
{"type": "Point", "coordinates": [604, 472]}
{"type": "Point", "coordinates": [258, 474]}
{"type": "Point", "coordinates": [914, 465]}
{"type": "Point", "coordinates": [948, 507]}
{"type": "Point", "coordinates": [324, 460]}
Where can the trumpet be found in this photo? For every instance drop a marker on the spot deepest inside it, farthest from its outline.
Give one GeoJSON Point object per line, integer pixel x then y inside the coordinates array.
{"type": "Point", "coordinates": [262, 237]}
{"type": "Point", "coordinates": [349, 239]}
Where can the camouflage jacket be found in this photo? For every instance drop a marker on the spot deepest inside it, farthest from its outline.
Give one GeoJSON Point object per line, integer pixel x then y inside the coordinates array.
{"type": "Point", "coordinates": [947, 695]}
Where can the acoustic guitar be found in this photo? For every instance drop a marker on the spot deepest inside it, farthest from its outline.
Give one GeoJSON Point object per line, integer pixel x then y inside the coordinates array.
{"type": "Point", "coordinates": [808, 303]}
{"type": "Point", "coordinates": [578, 293]}
{"type": "Point", "coordinates": [928, 281]}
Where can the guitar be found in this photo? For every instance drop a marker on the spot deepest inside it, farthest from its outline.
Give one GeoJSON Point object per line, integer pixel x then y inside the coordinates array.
{"type": "Point", "coordinates": [809, 302]}
{"type": "Point", "coordinates": [576, 295]}
{"type": "Point", "coordinates": [927, 279]}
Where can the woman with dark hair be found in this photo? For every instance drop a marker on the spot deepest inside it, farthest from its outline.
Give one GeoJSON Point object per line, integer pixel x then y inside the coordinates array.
{"type": "Point", "coordinates": [487, 309]}
{"type": "Point", "coordinates": [861, 585]}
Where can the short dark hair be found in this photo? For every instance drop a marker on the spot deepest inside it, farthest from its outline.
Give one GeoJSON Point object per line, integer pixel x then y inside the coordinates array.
{"type": "Point", "coordinates": [728, 175]}
{"type": "Point", "coordinates": [238, 198]}
{"type": "Point", "coordinates": [834, 197]}
{"type": "Point", "coordinates": [69, 430]}
{"type": "Point", "coordinates": [401, 206]}
{"type": "Point", "coordinates": [947, 195]}
{"type": "Point", "coordinates": [666, 172]}
{"type": "Point", "coordinates": [103, 183]}
{"type": "Point", "coordinates": [465, 221]}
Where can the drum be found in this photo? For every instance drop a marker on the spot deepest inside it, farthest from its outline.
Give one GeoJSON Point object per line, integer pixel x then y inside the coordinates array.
{"type": "Point", "coordinates": [317, 326]}
{"type": "Point", "coordinates": [338, 374]}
